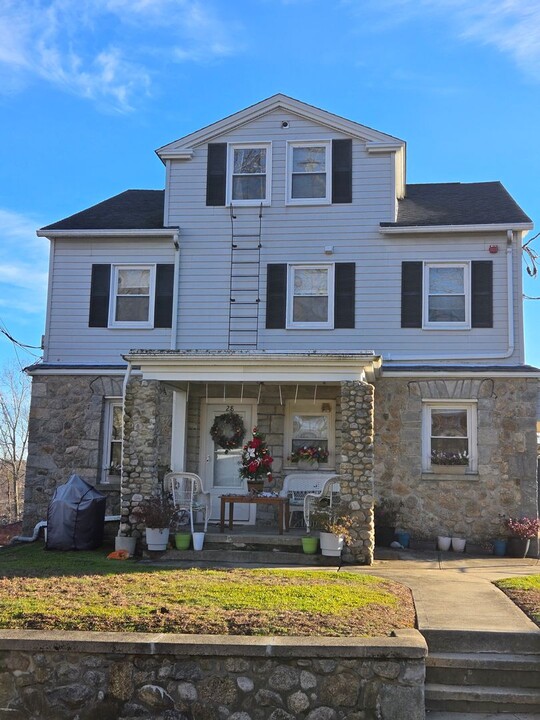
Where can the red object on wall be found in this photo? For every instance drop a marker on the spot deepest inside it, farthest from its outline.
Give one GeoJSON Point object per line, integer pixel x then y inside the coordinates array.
{"type": "Point", "coordinates": [493, 249]}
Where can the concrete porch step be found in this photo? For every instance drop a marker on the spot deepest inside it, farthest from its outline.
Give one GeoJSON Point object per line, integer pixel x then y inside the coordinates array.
{"type": "Point", "coordinates": [467, 641]}
{"type": "Point", "coordinates": [481, 698]}
{"type": "Point", "coordinates": [504, 670]}
{"type": "Point", "coordinates": [263, 557]}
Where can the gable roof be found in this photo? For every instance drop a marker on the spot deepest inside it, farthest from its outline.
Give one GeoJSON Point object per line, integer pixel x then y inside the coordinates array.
{"type": "Point", "coordinates": [131, 209]}
{"type": "Point", "coordinates": [183, 148]}
{"type": "Point", "coordinates": [485, 203]}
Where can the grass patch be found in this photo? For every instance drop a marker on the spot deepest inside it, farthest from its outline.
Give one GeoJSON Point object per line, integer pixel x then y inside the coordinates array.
{"type": "Point", "coordinates": [525, 592]}
{"type": "Point", "coordinates": [85, 591]}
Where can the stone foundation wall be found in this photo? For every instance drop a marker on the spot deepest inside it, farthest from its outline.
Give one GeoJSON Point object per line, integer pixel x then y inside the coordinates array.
{"type": "Point", "coordinates": [66, 416]}
{"type": "Point", "coordinates": [466, 506]}
{"type": "Point", "coordinates": [117, 676]}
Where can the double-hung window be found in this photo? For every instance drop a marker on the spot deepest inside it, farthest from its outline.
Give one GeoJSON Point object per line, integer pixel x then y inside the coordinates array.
{"type": "Point", "coordinates": [309, 178]}
{"type": "Point", "coordinates": [133, 289]}
{"type": "Point", "coordinates": [249, 173]}
{"type": "Point", "coordinates": [449, 436]}
{"type": "Point", "coordinates": [310, 425]}
{"type": "Point", "coordinates": [310, 296]}
{"type": "Point", "coordinates": [447, 295]}
{"type": "Point", "coordinates": [112, 440]}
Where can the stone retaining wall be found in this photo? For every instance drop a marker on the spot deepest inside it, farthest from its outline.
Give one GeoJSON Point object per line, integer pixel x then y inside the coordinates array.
{"type": "Point", "coordinates": [113, 676]}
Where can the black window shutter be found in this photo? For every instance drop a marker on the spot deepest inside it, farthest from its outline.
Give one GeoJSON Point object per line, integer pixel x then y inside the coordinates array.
{"type": "Point", "coordinates": [164, 296]}
{"type": "Point", "coordinates": [100, 289]}
{"type": "Point", "coordinates": [342, 171]}
{"type": "Point", "coordinates": [482, 294]}
{"type": "Point", "coordinates": [411, 294]}
{"type": "Point", "coordinates": [276, 296]}
{"type": "Point", "coordinates": [344, 295]}
{"type": "Point", "coordinates": [216, 174]}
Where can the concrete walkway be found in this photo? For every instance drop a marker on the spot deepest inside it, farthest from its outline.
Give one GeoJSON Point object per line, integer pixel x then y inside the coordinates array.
{"type": "Point", "coordinates": [455, 592]}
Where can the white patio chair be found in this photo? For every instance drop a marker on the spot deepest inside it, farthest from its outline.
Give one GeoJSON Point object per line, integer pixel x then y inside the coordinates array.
{"type": "Point", "coordinates": [329, 491]}
{"type": "Point", "coordinates": [189, 494]}
{"type": "Point", "coordinates": [297, 485]}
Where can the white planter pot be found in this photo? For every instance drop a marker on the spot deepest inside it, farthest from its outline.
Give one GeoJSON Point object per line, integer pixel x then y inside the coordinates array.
{"type": "Point", "coordinates": [331, 545]}
{"type": "Point", "coordinates": [198, 540]}
{"type": "Point", "coordinates": [157, 538]}
{"type": "Point", "coordinates": [443, 542]}
{"type": "Point", "coordinates": [458, 544]}
{"type": "Point", "coordinates": [125, 543]}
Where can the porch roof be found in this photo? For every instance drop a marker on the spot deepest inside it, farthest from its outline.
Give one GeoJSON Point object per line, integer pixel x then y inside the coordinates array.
{"type": "Point", "coordinates": [249, 366]}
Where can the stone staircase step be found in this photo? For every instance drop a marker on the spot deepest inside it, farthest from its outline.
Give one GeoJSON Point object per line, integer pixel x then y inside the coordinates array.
{"type": "Point", "coordinates": [467, 641]}
{"type": "Point", "coordinates": [480, 698]}
{"type": "Point", "coordinates": [443, 715]}
{"type": "Point", "coordinates": [503, 670]}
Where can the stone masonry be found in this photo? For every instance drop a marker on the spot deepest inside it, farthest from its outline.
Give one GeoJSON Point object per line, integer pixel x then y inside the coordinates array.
{"type": "Point", "coordinates": [66, 416]}
{"type": "Point", "coordinates": [467, 506]}
{"type": "Point", "coordinates": [356, 467]}
{"type": "Point", "coordinates": [123, 676]}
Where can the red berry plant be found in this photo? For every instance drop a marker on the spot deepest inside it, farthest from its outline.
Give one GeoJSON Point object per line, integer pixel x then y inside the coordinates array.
{"type": "Point", "coordinates": [256, 458]}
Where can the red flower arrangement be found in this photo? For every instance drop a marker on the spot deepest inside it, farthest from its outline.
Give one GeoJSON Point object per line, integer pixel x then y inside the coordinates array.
{"type": "Point", "coordinates": [524, 528]}
{"type": "Point", "coordinates": [256, 458]}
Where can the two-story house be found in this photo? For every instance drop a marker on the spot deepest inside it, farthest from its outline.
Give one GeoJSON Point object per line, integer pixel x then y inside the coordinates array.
{"type": "Point", "coordinates": [289, 272]}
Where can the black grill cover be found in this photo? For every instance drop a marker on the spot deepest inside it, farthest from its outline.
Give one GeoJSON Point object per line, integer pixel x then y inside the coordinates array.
{"type": "Point", "coordinates": [75, 517]}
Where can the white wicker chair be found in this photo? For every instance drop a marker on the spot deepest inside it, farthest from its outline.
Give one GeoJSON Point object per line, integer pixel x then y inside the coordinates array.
{"type": "Point", "coordinates": [330, 491]}
{"type": "Point", "coordinates": [297, 485]}
{"type": "Point", "coordinates": [189, 494]}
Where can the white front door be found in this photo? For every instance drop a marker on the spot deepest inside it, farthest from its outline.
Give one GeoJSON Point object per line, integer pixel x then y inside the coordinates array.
{"type": "Point", "coordinates": [220, 470]}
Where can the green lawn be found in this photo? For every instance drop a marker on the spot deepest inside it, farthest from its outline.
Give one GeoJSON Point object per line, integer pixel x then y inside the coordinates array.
{"type": "Point", "coordinates": [525, 592]}
{"type": "Point", "coordinates": [84, 591]}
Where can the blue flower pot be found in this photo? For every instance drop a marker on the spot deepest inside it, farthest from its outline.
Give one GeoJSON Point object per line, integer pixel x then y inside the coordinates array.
{"type": "Point", "coordinates": [499, 548]}
{"type": "Point", "coordinates": [403, 538]}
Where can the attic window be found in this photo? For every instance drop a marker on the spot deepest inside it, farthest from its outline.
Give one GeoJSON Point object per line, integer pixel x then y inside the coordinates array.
{"type": "Point", "coordinates": [309, 180]}
{"type": "Point", "coordinates": [249, 179]}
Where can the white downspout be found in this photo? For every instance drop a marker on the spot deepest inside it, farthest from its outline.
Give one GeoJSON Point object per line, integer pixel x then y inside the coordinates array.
{"type": "Point", "coordinates": [174, 323]}
{"type": "Point", "coordinates": [510, 319]}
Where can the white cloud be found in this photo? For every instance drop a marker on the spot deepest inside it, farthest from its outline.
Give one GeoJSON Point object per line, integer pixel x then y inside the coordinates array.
{"type": "Point", "coordinates": [510, 26]}
{"type": "Point", "coordinates": [23, 261]}
{"type": "Point", "coordinates": [106, 50]}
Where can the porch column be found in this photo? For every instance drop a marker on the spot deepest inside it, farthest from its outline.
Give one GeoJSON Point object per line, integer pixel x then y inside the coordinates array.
{"type": "Point", "coordinates": [140, 451]}
{"type": "Point", "coordinates": [356, 467]}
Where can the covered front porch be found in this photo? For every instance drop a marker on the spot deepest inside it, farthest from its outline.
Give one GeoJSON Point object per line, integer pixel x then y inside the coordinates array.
{"type": "Point", "coordinates": [173, 398]}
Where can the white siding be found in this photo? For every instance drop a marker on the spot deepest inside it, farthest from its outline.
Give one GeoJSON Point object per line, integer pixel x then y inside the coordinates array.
{"type": "Point", "coordinates": [70, 338]}
{"type": "Point", "coordinates": [289, 234]}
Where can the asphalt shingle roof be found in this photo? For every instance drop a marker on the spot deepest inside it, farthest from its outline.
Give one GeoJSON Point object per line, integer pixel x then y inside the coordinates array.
{"type": "Point", "coordinates": [132, 209]}
{"type": "Point", "coordinates": [425, 204]}
{"type": "Point", "coordinates": [457, 204]}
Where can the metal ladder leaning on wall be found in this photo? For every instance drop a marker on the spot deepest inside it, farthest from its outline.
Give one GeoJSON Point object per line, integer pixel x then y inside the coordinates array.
{"type": "Point", "coordinates": [244, 288]}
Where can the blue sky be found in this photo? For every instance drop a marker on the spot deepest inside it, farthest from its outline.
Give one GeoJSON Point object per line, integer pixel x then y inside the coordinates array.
{"type": "Point", "coordinates": [89, 88]}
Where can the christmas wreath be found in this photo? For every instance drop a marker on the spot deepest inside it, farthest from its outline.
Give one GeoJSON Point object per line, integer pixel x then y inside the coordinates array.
{"type": "Point", "coordinates": [228, 430]}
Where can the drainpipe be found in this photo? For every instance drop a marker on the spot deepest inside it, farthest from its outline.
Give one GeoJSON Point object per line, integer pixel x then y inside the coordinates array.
{"type": "Point", "coordinates": [510, 320]}
{"type": "Point", "coordinates": [174, 323]}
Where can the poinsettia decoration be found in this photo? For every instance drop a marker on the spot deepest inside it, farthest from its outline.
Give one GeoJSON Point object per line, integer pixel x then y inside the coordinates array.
{"type": "Point", "coordinates": [256, 458]}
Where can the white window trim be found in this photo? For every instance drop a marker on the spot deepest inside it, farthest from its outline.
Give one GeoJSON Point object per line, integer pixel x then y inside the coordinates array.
{"type": "Point", "coordinates": [309, 201]}
{"type": "Point", "coordinates": [466, 324]}
{"type": "Point", "coordinates": [308, 407]}
{"type": "Point", "coordinates": [112, 303]}
{"type": "Point", "coordinates": [329, 324]}
{"type": "Point", "coordinates": [471, 406]}
{"type": "Point", "coordinates": [231, 147]}
{"type": "Point", "coordinates": [110, 404]}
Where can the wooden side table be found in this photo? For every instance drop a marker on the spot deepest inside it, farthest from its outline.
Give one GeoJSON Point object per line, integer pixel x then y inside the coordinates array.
{"type": "Point", "coordinates": [231, 500]}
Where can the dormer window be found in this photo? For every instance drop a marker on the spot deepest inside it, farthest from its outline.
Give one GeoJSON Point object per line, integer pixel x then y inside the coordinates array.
{"type": "Point", "coordinates": [308, 177]}
{"type": "Point", "coordinates": [250, 170]}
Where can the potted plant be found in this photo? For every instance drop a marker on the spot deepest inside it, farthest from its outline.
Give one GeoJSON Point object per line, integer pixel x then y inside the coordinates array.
{"type": "Point", "coordinates": [522, 531]}
{"type": "Point", "coordinates": [308, 457]}
{"type": "Point", "coordinates": [386, 517]}
{"type": "Point", "coordinates": [157, 513]}
{"type": "Point", "coordinates": [256, 462]}
{"type": "Point", "coordinates": [334, 525]}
